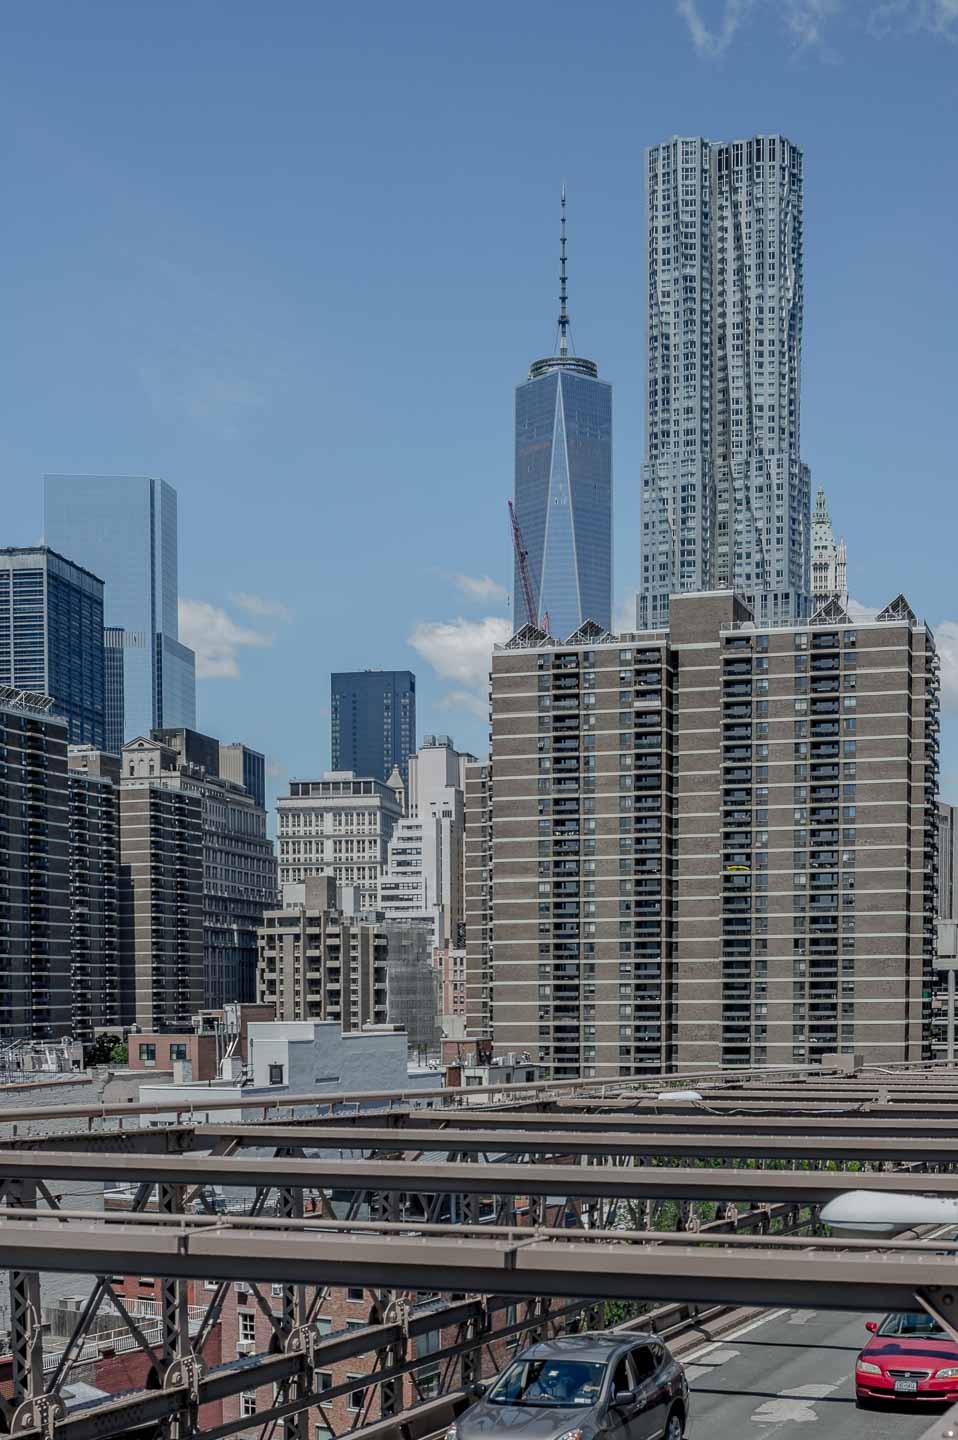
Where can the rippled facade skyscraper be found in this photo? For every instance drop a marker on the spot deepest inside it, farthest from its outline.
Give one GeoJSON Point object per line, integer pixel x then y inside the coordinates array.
{"type": "Point", "coordinates": [563, 486]}
{"type": "Point", "coordinates": [726, 498]}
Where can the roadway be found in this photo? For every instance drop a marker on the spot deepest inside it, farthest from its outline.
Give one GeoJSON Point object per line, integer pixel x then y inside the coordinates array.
{"type": "Point", "coordinates": [776, 1374]}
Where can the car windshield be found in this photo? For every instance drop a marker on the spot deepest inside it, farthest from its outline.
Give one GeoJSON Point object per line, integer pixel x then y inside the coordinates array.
{"type": "Point", "coordinates": [548, 1382]}
{"type": "Point", "coordinates": [914, 1324]}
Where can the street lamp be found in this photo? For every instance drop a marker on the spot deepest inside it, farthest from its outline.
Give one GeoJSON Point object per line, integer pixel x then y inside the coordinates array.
{"type": "Point", "coordinates": [866, 1212]}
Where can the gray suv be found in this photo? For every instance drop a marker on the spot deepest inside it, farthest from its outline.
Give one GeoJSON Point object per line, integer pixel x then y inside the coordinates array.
{"type": "Point", "coordinates": [600, 1386]}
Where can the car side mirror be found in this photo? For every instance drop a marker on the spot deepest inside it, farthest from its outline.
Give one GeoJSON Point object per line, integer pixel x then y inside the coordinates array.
{"type": "Point", "coordinates": [622, 1399]}
{"type": "Point", "coordinates": [872, 1326]}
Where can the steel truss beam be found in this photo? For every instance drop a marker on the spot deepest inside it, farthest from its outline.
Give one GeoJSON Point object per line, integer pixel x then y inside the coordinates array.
{"type": "Point", "coordinates": [586, 1182]}
{"type": "Point", "coordinates": [526, 1264]}
{"type": "Point", "coordinates": [514, 1142]}
{"type": "Point", "coordinates": [598, 1090]}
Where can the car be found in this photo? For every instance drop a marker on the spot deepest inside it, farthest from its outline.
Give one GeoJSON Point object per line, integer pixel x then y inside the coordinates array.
{"type": "Point", "coordinates": [595, 1386]}
{"type": "Point", "coordinates": [909, 1357]}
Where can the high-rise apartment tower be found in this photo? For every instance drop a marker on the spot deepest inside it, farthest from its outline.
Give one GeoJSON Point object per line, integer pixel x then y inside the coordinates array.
{"type": "Point", "coordinates": [94, 789]}
{"type": "Point", "coordinates": [51, 637]}
{"type": "Point", "coordinates": [725, 496]}
{"type": "Point", "coordinates": [563, 485]}
{"type": "Point", "coordinates": [36, 994]}
{"type": "Point", "coordinates": [124, 529]}
{"type": "Point", "coordinates": [708, 846]}
{"type": "Point", "coordinates": [373, 721]}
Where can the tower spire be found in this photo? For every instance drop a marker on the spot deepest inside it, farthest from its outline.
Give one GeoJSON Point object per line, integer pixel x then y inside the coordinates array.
{"type": "Point", "coordinates": [563, 292]}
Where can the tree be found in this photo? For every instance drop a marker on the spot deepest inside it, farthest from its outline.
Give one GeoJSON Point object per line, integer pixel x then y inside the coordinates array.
{"type": "Point", "coordinates": [106, 1050]}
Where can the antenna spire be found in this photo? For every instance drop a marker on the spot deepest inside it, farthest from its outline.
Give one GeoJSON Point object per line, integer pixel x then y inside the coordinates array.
{"type": "Point", "coordinates": [563, 292]}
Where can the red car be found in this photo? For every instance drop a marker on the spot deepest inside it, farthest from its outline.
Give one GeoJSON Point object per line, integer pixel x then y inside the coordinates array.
{"type": "Point", "coordinates": [909, 1357]}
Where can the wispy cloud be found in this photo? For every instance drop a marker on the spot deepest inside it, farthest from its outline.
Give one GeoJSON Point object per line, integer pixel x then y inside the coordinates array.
{"type": "Point", "coordinates": [460, 651]}
{"type": "Point", "coordinates": [465, 700]}
{"type": "Point", "coordinates": [803, 21]}
{"type": "Point", "coordinates": [261, 607]}
{"type": "Point", "coordinates": [858, 611]}
{"type": "Point", "coordinates": [935, 17]}
{"type": "Point", "coordinates": [713, 41]}
{"type": "Point", "coordinates": [624, 614]}
{"type": "Point", "coordinates": [207, 395]}
{"type": "Point", "coordinates": [479, 587]}
{"type": "Point", "coordinates": [216, 639]}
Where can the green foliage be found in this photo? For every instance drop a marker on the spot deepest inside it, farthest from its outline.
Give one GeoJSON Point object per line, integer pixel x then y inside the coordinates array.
{"type": "Point", "coordinates": [106, 1050]}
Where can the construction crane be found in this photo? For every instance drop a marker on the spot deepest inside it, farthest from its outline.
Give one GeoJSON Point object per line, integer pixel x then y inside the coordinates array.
{"type": "Point", "coordinates": [522, 563]}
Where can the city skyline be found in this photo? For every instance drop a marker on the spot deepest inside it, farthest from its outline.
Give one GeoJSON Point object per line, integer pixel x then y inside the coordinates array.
{"type": "Point", "coordinates": [267, 388]}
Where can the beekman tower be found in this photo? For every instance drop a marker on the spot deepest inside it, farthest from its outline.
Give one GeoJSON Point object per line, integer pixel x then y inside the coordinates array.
{"type": "Point", "coordinates": [725, 496]}
{"type": "Point", "coordinates": [563, 486]}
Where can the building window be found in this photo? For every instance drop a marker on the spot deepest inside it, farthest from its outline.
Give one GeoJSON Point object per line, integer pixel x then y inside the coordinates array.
{"type": "Point", "coordinates": [248, 1403]}
{"type": "Point", "coordinates": [247, 1326]}
{"type": "Point", "coordinates": [178, 1052]}
{"type": "Point", "coordinates": [276, 1074]}
{"type": "Point", "coordinates": [355, 1293]}
{"type": "Point", "coordinates": [356, 1398]}
{"type": "Point", "coordinates": [147, 1054]}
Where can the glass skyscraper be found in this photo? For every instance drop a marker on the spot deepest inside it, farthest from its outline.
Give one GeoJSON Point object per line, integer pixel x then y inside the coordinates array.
{"type": "Point", "coordinates": [563, 487]}
{"type": "Point", "coordinates": [51, 637]}
{"type": "Point", "coordinates": [373, 721]}
{"type": "Point", "coordinates": [725, 497]}
{"type": "Point", "coordinates": [124, 529]}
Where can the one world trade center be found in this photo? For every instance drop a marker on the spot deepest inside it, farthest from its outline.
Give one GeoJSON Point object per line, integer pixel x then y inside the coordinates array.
{"type": "Point", "coordinates": [563, 488]}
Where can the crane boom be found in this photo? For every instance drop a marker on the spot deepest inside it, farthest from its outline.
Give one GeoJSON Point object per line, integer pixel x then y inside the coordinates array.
{"type": "Point", "coordinates": [522, 564]}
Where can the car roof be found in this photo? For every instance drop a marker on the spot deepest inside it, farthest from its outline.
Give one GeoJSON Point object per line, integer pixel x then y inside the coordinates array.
{"type": "Point", "coordinates": [593, 1345]}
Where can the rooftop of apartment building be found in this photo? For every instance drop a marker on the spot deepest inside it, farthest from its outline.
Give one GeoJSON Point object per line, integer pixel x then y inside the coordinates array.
{"type": "Point", "coordinates": [832, 612]}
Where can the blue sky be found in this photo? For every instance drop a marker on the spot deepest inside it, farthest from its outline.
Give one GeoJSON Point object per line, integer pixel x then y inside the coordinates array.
{"type": "Point", "coordinates": [294, 257]}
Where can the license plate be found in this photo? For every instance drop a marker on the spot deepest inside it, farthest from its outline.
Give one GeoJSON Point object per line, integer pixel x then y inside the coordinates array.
{"type": "Point", "coordinates": [906, 1387]}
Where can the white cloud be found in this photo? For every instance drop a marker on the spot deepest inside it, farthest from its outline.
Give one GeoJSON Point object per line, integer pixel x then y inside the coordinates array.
{"type": "Point", "coordinates": [946, 638]}
{"type": "Point", "coordinates": [858, 611]}
{"type": "Point", "coordinates": [803, 20]}
{"type": "Point", "coordinates": [937, 17]}
{"type": "Point", "coordinates": [713, 43]}
{"type": "Point", "coordinates": [216, 638]}
{"type": "Point", "coordinates": [465, 700]}
{"type": "Point", "coordinates": [479, 587]}
{"type": "Point", "coordinates": [461, 651]}
{"type": "Point", "coordinates": [624, 614]}
{"type": "Point", "coordinates": [261, 607]}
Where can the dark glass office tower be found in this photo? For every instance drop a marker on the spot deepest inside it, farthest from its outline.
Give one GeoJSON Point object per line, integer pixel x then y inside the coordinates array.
{"type": "Point", "coordinates": [373, 721]}
{"type": "Point", "coordinates": [124, 528]}
{"type": "Point", "coordinates": [51, 637]}
{"type": "Point", "coordinates": [563, 486]}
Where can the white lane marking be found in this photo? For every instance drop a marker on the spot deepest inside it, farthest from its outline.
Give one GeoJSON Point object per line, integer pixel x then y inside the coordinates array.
{"type": "Point", "coordinates": [722, 1357]}
{"type": "Point", "coordinates": [712, 1362]}
{"type": "Point", "coordinates": [802, 1317]}
{"type": "Point", "coordinates": [732, 1335]}
{"type": "Point", "coordinates": [695, 1372]}
{"type": "Point", "coordinates": [792, 1406]}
